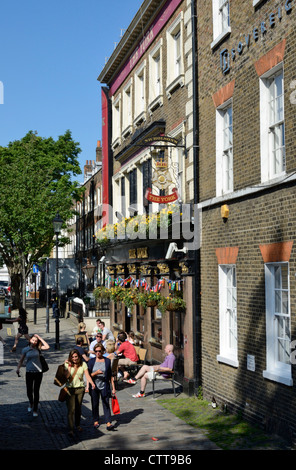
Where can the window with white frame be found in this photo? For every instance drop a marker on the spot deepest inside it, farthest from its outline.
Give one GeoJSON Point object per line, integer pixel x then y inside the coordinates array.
{"type": "Point", "coordinates": [175, 55]}
{"type": "Point", "coordinates": [272, 124]}
{"type": "Point", "coordinates": [116, 122]}
{"type": "Point", "coordinates": [228, 315]}
{"type": "Point", "coordinates": [127, 110]}
{"type": "Point", "coordinates": [155, 77]}
{"type": "Point", "coordinates": [221, 21]}
{"type": "Point", "coordinates": [123, 196]}
{"type": "Point", "coordinates": [278, 323]}
{"type": "Point", "coordinates": [99, 201]}
{"type": "Point", "coordinates": [180, 173]}
{"type": "Point", "coordinates": [140, 95]}
{"type": "Point", "coordinates": [133, 191]}
{"type": "Point", "coordinates": [224, 149]}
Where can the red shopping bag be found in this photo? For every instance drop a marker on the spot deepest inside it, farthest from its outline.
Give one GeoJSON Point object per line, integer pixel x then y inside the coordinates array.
{"type": "Point", "coordinates": [115, 405]}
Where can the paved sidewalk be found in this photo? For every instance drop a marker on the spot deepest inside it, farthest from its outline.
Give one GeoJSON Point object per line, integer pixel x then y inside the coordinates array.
{"type": "Point", "coordinates": [143, 425]}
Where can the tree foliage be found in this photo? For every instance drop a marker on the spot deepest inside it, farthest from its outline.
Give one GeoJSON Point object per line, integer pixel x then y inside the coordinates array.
{"type": "Point", "coordinates": [36, 182]}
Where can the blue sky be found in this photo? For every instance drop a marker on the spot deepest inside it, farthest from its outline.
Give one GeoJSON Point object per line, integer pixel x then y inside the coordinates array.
{"type": "Point", "coordinates": [51, 54]}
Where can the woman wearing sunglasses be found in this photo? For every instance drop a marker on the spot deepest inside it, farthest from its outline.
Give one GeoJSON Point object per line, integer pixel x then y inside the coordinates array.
{"type": "Point", "coordinates": [99, 369]}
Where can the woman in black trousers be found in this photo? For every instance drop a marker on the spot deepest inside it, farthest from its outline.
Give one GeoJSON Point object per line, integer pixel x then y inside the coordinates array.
{"type": "Point", "coordinates": [33, 370]}
{"type": "Point", "coordinates": [99, 369]}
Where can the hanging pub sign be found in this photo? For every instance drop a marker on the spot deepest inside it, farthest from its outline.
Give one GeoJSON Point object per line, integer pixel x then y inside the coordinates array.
{"type": "Point", "coordinates": [161, 177]}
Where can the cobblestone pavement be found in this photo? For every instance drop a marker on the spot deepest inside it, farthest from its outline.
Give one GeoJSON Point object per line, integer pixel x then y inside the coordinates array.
{"type": "Point", "coordinates": [143, 425]}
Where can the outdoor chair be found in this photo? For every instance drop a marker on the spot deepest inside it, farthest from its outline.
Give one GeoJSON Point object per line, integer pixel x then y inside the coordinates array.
{"type": "Point", "coordinates": [142, 353]}
{"type": "Point", "coordinates": [170, 379]}
{"type": "Point", "coordinates": [114, 369]}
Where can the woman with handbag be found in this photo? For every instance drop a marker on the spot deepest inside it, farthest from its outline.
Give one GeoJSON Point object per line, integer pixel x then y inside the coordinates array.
{"type": "Point", "coordinates": [75, 369]}
{"type": "Point", "coordinates": [34, 372]}
{"type": "Point", "coordinates": [99, 369]}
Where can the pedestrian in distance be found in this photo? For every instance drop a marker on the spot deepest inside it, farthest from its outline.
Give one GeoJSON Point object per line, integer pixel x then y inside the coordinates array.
{"type": "Point", "coordinates": [22, 329]}
{"type": "Point", "coordinates": [149, 372]}
{"type": "Point", "coordinates": [34, 374]}
{"type": "Point", "coordinates": [75, 370]}
{"type": "Point", "coordinates": [99, 369]}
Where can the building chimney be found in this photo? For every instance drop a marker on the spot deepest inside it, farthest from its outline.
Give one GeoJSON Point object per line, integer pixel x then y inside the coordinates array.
{"type": "Point", "coordinates": [87, 167]}
{"type": "Point", "coordinates": [98, 152]}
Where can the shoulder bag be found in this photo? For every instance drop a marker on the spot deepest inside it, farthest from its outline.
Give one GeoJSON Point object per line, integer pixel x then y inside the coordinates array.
{"type": "Point", "coordinates": [60, 377]}
{"type": "Point", "coordinates": [44, 365]}
{"type": "Point", "coordinates": [64, 390]}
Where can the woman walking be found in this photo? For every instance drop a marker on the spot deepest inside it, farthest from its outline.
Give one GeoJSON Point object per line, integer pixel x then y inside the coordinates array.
{"type": "Point", "coordinates": [100, 370]}
{"type": "Point", "coordinates": [34, 374]}
{"type": "Point", "coordinates": [22, 329]}
{"type": "Point", "coordinates": [75, 369]}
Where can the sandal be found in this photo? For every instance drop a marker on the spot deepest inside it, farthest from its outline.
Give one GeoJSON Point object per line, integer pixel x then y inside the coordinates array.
{"type": "Point", "coordinates": [96, 425]}
{"type": "Point", "coordinates": [110, 427]}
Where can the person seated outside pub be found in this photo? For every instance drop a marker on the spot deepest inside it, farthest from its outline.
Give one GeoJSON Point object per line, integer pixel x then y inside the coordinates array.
{"type": "Point", "coordinates": [148, 372]}
{"type": "Point", "coordinates": [110, 348]}
{"type": "Point", "coordinates": [98, 339]}
{"type": "Point", "coordinates": [131, 337]}
{"type": "Point", "coordinates": [79, 347]}
{"type": "Point", "coordinates": [126, 353]}
{"type": "Point", "coordinates": [96, 329]}
{"type": "Point", "coordinates": [82, 331]}
{"type": "Point", "coordinates": [107, 334]}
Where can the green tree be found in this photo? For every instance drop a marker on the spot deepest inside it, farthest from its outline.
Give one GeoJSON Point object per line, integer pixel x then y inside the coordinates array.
{"type": "Point", "coordinates": [36, 182]}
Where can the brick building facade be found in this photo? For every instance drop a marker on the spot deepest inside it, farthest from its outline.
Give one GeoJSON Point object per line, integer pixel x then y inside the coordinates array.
{"type": "Point", "coordinates": [246, 128]}
{"type": "Point", "coordinates": [88, 218]}
{"type": "Point", "coordinates": [148, 130]}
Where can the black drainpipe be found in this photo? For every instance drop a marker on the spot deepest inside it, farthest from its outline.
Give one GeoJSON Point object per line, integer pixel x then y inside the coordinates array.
{"type": "Point", "coordinates": [196, 289]}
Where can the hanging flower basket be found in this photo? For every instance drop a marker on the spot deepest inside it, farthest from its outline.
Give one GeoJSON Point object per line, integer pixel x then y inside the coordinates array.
{"type": "Point", "coordinates": [171, 304]}
{"type": "Point", "coordinates": [102, 292]}
{"type": "Point", "coordinates": [149, 299]}
{"type": "Point", "coordinates": [129, 298]}
{"type": "Point", "coordinates": [117, 293]}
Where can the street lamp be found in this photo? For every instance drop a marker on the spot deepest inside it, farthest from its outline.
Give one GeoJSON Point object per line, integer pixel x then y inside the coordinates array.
{"type": "Point", "coordinates": [89, 271]}
{"type": "Point", "coordinates": [57, 227]}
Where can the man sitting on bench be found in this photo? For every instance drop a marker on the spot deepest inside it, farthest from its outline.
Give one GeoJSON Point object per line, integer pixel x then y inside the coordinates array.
{"type": "Point", "coordinates": [149, 372]}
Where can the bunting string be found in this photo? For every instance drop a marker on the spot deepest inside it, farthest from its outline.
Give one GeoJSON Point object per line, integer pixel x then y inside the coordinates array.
{"type": "Point", "coordinates": [173, 285]}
